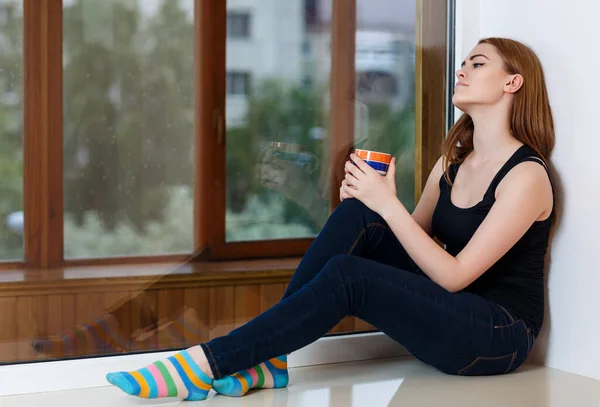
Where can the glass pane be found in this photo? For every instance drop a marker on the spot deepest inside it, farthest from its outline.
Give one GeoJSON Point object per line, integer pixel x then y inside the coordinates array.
{"type": "Point", "coordinates": [128, 127]}
{"type": "Point", "coordinates": [277, 96]}
{"type": "Point", "coordinates": [11, 130]}
{"type": "Point", "coordinates": [385, 86]}
{"type": "Point", "coordinates": [128, 142]}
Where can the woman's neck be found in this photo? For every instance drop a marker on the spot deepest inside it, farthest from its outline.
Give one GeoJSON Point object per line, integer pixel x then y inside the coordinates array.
{"type": "Point", "coordinates": [492, 137]}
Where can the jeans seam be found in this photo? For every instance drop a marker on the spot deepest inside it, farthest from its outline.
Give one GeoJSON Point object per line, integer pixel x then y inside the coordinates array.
{"type": "Point", "coordinates": [510, 325]}
{"type": "Point", "coordinates": [478, 358]}
{"type": "Point", "coordinates": [213, 360]}
{"type": "Point", "coordinates": [512, 319]}
{"type": "Point", "coordinates": [362, 232]}
{"type": "Point", "coordinates": [512, 361]}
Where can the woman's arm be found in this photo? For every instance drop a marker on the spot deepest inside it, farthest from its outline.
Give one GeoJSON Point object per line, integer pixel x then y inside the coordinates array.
{"type": "Point", "coordinates": [525, 195]}
{"type": "Point", "coordinates": [431, 193]}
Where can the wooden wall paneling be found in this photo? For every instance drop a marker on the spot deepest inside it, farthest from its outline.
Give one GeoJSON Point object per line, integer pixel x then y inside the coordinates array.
{"type": "Point", "coordinates": [345, 325]}
{"type": "Point", "coordinates": [271, 294]}
{"type": "Point", "coordinates": [32, 313]}
{"type": "Point", "coordinates": [360, 325]}
{"type": "Point", "coordinates": [61, 314]}
{"type": "Point", "coordinates": [8, 330]}
{"type": "Point", "coordinates": [221, 310]}
{"type": "Point", "coordinates": [196, 315]}
{"type": "Point", "coordinates": [144, 319]}
{"type": "Point", "coordinates": [121, 313]}
{"type": "Point", "coordinates": [89, 308]}
{"type": "Point", "coordinates": [169, 305]}
{"type": "Point", "coordinates": [247, 303]}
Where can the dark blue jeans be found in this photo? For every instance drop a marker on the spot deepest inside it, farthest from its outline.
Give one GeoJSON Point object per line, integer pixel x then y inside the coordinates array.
{"type": "Point", "coordinates": [356, 266]}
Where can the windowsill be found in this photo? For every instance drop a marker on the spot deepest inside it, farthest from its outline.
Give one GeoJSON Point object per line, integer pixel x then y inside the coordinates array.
{"type": "Point", "coordinates": [139, 276]}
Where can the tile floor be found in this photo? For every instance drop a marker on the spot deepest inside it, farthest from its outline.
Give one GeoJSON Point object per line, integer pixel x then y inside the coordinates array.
{"type": "Point", "coordinates": [387, 382]}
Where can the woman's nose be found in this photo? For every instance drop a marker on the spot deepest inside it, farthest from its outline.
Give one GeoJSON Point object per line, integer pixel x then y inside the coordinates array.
{"type": "Point", "coordinates": [460, 74]}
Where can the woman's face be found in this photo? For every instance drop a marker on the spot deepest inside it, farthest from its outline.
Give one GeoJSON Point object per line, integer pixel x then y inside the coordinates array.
{"type": "Point", "coordinates": [482, 80]}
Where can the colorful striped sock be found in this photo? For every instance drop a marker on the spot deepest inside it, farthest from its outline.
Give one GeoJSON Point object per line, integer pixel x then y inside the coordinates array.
{"type": "Point", "coordinates": [177, 376]}
{"type": "Point", "coordinates": [272, 374]}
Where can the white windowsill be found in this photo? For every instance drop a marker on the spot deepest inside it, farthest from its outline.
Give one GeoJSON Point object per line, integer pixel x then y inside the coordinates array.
{"type": "Point", "coordinates": [89, 373]}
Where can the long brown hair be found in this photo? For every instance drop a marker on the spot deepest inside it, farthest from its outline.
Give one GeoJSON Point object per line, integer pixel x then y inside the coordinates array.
{"type": "Point", "coordinates": [531, 116]}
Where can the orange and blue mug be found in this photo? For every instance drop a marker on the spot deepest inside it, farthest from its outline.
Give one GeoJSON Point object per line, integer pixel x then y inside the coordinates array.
{"type": "Point", "coordinates": [380, 162]}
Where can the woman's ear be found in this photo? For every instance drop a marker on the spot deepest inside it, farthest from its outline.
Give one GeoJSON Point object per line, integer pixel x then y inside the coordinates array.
{"type": "Point", "coordinates": [514, 83]}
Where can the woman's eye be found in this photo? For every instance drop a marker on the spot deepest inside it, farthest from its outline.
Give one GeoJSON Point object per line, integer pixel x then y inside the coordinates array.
{"type": "Point", "coordinates": [477, 65]}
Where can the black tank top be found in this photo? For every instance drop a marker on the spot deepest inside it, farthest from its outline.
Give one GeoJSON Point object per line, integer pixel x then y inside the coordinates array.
{"type": "Point", "coordinates": [516, 281]}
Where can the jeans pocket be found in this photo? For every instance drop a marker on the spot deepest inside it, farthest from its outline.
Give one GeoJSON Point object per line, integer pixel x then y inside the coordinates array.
{"type": "Point", "coordinates": [484, 365]}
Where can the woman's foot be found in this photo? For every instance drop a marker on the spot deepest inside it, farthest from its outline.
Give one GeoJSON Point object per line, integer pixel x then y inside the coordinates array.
{"type": "Point", "coordinates": [185, 375]}
{"type": "Point", "coordinates": [272, 374]}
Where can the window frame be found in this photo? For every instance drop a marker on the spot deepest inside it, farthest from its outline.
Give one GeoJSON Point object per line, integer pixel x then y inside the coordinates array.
{"type": "Point", "coordinates": [43, 129]}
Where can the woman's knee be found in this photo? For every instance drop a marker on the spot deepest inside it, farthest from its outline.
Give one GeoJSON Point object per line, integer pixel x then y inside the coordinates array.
{"type": "Point", "coordinates": [340, 267]}
{"type": "Point", "coordinates": [354, 207]}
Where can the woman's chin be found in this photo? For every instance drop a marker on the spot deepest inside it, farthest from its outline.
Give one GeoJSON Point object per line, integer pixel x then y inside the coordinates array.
{"type": "Point", "coordinates": [460, 104]}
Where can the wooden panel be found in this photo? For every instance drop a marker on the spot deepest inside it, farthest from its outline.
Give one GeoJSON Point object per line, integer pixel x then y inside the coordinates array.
{"type": "Point", "coordinates": [270, 294]}
{"type": "Point", "coordinates": [143, 319]}
{"type": "Point", "coordinates": [343, 43]}
{"type": "Point", "coordinates": [114, 302]}
{"type": "Point", "coordinates": [203, 313]}
{"type": "Point", "coordinates": [121, 261]}
{"type": "Point", "coordinates": [61, 314]}
{"type": "Point", "coordinates": [11, 265]}
{"type": "Point", "coordinates": [43, 146]}
{"type": "Point", "coordinates": [360, 325]}
{"type": "Point", "coordinates": [214, 276]}
{"type": "Point", "coordinates": [431, 77]}
{"type": "Point", "coordinates": [169, 308]}
{"type": "Point", "coordinates": [196, 315]}
{"type": "Point", "coordinates": [31, 322]}
{"type": "Point", "coordinates": [221, 311]}
{"type": "Point", "coordinates": [89, 307]}
{"type": "Point", "coordinates": [247, 303]}
{"type": "Point", "coordinates": [8, 329]}
{"type": "Point", "coordinates": [260, 249]}
{"type": "Point", "coordinates": [169, 305]}
{"type": "Point", "coordinates": [345, 325]}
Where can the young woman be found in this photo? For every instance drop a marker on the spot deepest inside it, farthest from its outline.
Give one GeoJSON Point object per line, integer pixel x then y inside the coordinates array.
{"type": "Point", "coordinates": [473, 308]}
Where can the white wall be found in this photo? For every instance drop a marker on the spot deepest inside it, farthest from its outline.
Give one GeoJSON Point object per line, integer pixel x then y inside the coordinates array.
{"type": "Point", "coordinates": [566, 37]}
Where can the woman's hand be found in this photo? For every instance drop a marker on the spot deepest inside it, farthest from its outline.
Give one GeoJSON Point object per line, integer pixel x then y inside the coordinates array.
{"type": "Point", "coordinates": [368, 186]}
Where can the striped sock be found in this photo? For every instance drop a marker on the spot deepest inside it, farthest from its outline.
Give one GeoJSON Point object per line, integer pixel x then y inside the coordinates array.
{"type": "Point", "coordinates": [177, 376]}
{"type": "Point", "coordinates": [271, 374]}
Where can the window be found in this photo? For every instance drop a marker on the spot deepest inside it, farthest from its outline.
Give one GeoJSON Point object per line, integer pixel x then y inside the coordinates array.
{"type": "Point", "coordinates": [170, 176]}
{"type": "Point", "coordinates": [238, 83]}
{"type": "Point", "coordinates": [276, 187]}
{"type": "Point", "coordinates": [11, 131]}
{"type": "Point", "coordinates": [128, 128]}
{"type": "Point", "coordinates": [238, 24]}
